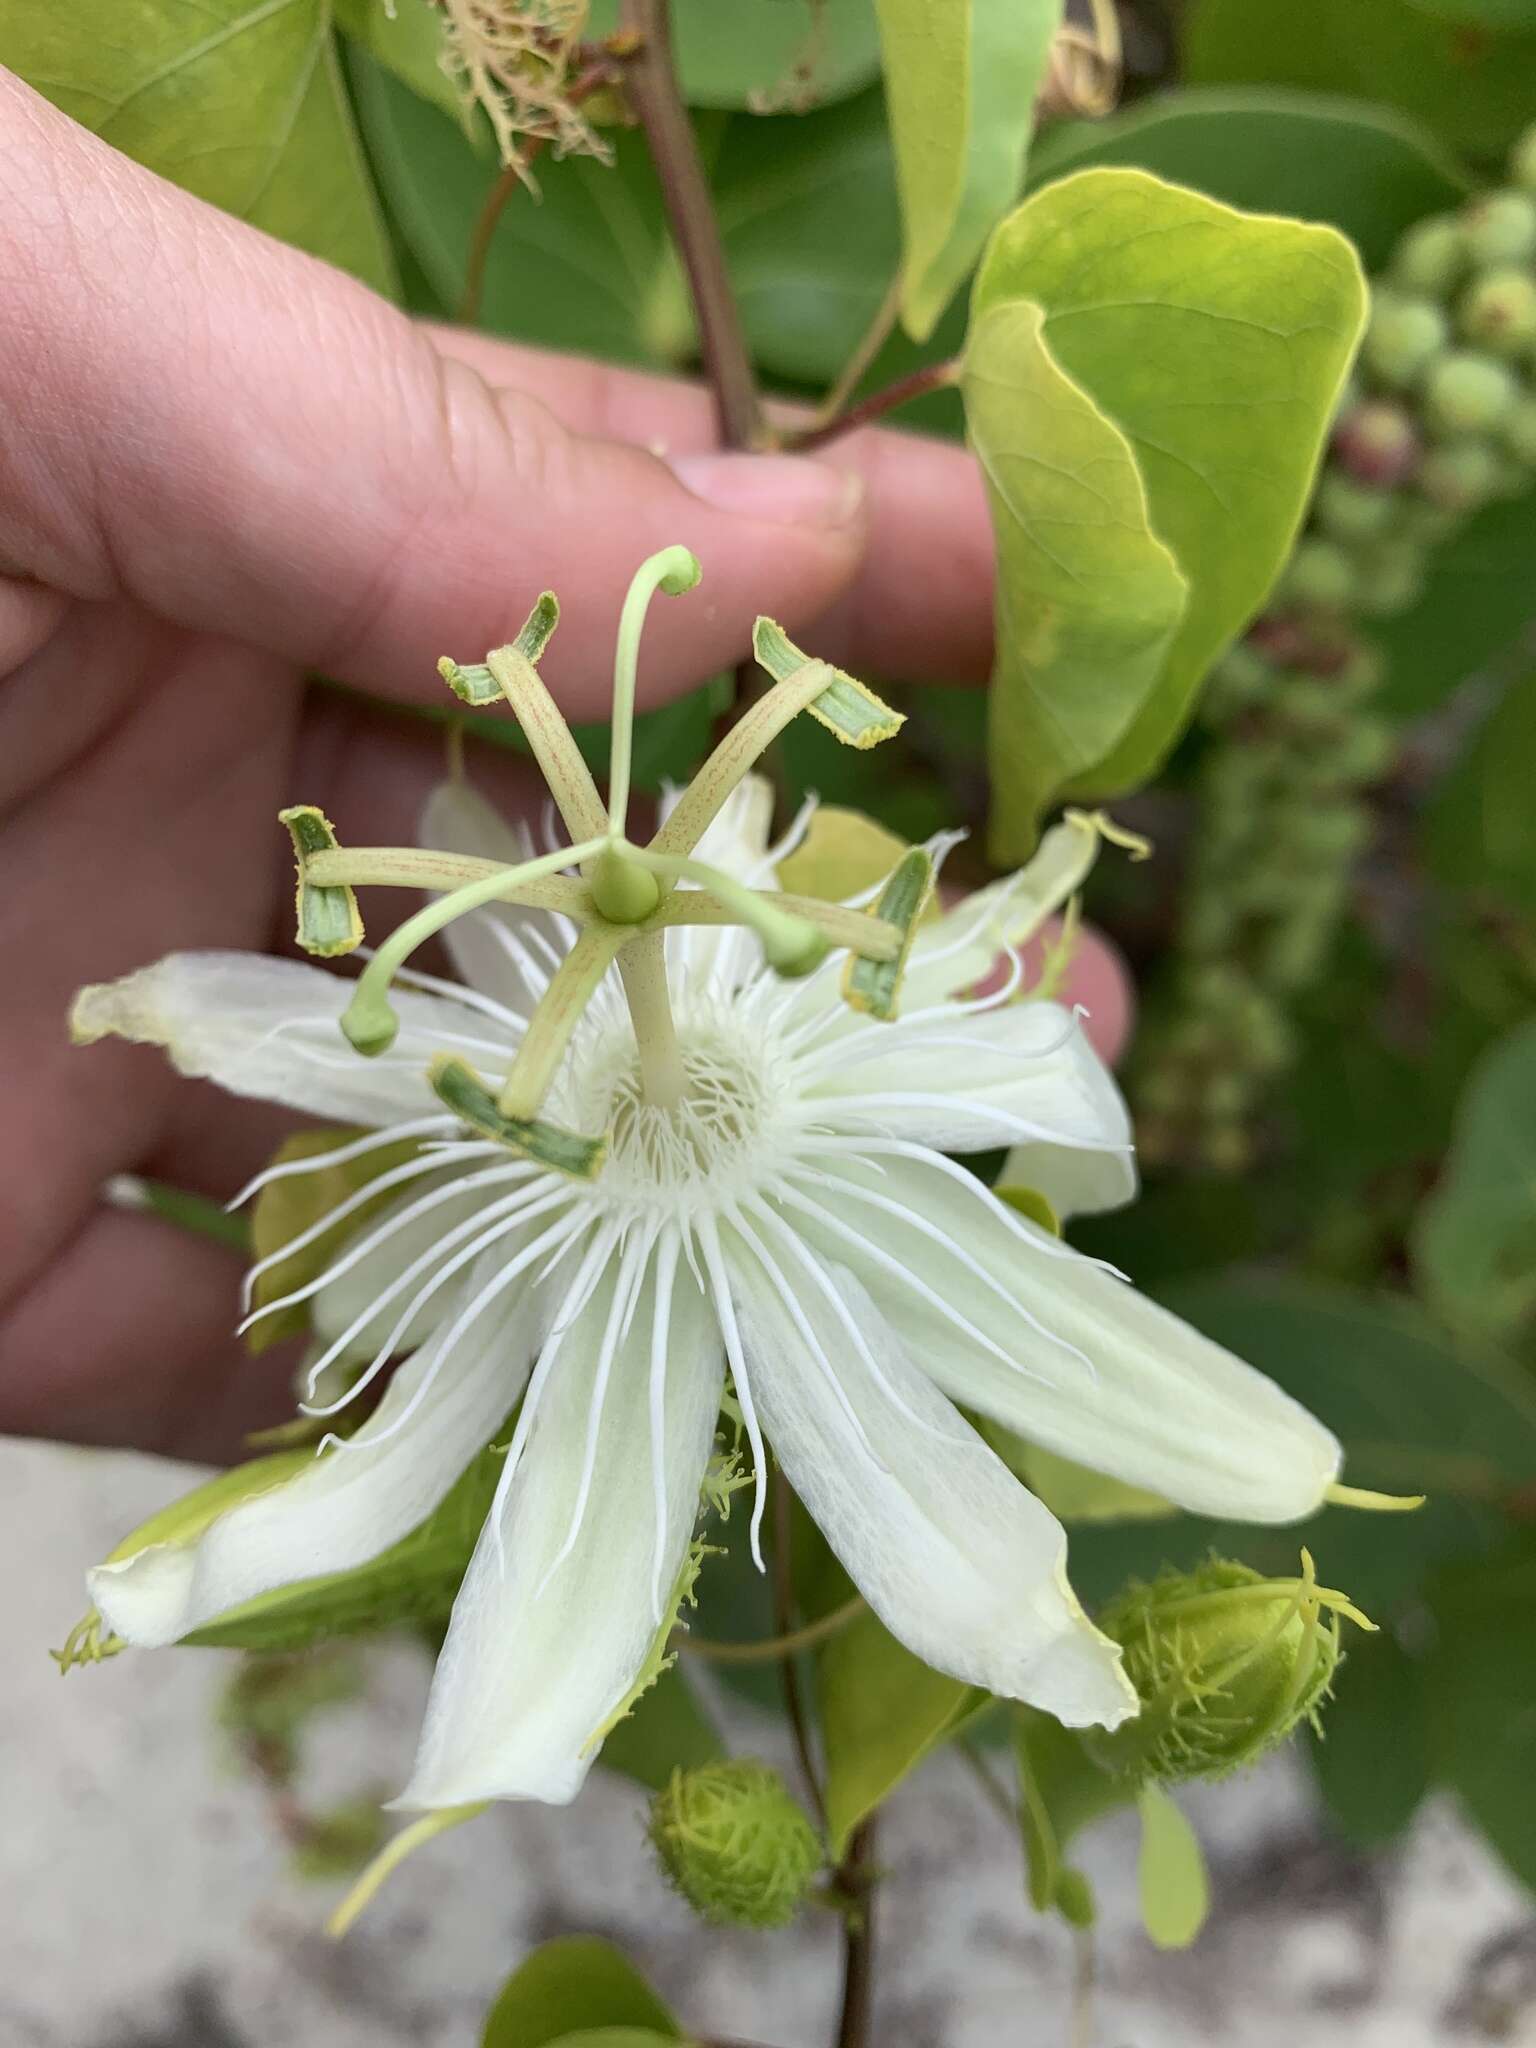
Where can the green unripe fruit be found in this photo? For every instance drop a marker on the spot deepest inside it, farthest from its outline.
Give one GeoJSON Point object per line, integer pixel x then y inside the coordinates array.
{"type": "Point", "coordinates": [1460, 477]}
{"type": "Point", "coordinates": [1224, 1661]}
{"type": "Point", "coordinates": [1320, 573]}
{"type": "Point", "coordinates": [1431, 256]}
{"type": "Point", "coordinates": [1466, 393]}
{"type": "Point", "coordinates": [1522, 161]}
{"type": "Point", "coordinates": [1500, 228]}
{"type": "Point", "coordinates": [1377, 443]}
{"type": "Point", "coordinates": [1403, 338]}
{"type": "Point", "coordinates": [735, 1843]}
{"type": "Point", "coordinates": [1348, 512]}
{"type": "Point", "coordinates": [1519, 430]}
{"type": "Point", "coordinates": [1498, 309]}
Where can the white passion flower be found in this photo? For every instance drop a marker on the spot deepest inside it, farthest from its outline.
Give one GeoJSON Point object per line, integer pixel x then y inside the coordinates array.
{"type": "Point", "coordinates": [652, 1166]}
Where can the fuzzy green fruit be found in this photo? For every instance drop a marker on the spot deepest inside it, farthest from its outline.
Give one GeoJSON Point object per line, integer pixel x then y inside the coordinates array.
{"type": "Point", "coordinates": [1404, 336]}
{"type": "Point", "coordinates": [1467, 393]}
{"type": "Point", "coordinates": [735, 1842]}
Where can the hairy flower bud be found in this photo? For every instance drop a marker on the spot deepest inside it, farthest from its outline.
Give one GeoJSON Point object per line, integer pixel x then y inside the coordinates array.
{"type": "Point", "coordinates": [735, 1843]}
{"type": "Point", "coordinates": [1226, 1663]}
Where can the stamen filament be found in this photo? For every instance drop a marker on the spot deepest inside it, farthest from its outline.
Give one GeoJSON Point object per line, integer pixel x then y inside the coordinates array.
{"type": "Point", "coordinates": [672, 571]}
{"type": "Point", "coordinates": [559, 1011]}
{"type": "Point", "coordinates": [368, 1020]}
{"type": "Point", "coordinates": [793, 945]}
{"type": "Point", "coordinates": [411, 867]}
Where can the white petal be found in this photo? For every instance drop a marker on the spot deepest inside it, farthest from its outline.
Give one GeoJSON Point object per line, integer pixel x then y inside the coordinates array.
{"type": "Point", "coordinates": [497, 949]}
{"type": "Point", "coordinates": [270, 1029]}
{"type": "Point", "coordinates": [956, 951]}
{"type": "Point", "coordinates": [353, 1502]}
{"type": "Point", "coordinates": [537, 1659]}
{"type": "Point", "coordinates": [1078, 1180]}
{"type": "Point", "coordinates": [969, 1083]}
{"type": "Point", "coordinates": [1070, 1357]}
{"type": "Point", "coordinates": [959, 1560]}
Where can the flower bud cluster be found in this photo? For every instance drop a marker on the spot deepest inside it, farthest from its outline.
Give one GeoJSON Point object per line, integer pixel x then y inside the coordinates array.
{"type": "Point", "coordinates": [1439, 422]}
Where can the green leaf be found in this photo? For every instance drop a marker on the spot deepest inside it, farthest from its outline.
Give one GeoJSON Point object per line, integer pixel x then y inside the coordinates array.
{"type": "Point", "coordinates": [1089, 600]}
{"type": "Point", "coordinates": [585, 265]}
{"type": "Point", "coordinates": [287, 1207]}
{"type": "Point", "coordinates": [1482, 1681]}
{"type": "Point", "coordinates": [580, 1986]}
{"type": "Point", "coordinates": [1372, 1758]}
{"type": "Point", "coordinates": [414, 1580]}
{"type": "Point", "coordinates": [1061, 1791]}
{"type": "Point", "coordinates": [1366, 170]}
{"type": "Point", "coordinates": [613, 2037]}
{"type": "Point", "coordinates": [1170, 1872]}
{"type": "Point", "coordinates": [1476, 90]}
{"type": "Point", "coordinates": [1148, 380]}
{"type": "Point", "coordinates": [1474, 1238]}
{"type": "Point", "coordinates": [961, 78]}
{"type": "Point", "coordinates": [769, 54]}
{"type": "Point", "coordinates": [666, 1730]}
{"type": "Point", "coordinates": [238, 101]}
{"type": "Point", "coordinates": [1072, 1492]}
{"type": "Point", "coordinates": [882, 1711]}
{"type": "Point", "coordinates": [1476, 602]}
{"type": "Point", "coordinates": [407, 37]}
{"type": "Point", "coordinates": [842, 854]}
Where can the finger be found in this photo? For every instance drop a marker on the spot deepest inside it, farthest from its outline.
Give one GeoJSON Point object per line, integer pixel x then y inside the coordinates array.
{"type": "Point", "coordinates": [921, 605]}
{"type": "Point", "coordinates": [250, 443]}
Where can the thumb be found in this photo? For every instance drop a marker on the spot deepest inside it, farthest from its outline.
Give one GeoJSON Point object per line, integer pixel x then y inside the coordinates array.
{"type": "Point", "coordinates": [251, 444]}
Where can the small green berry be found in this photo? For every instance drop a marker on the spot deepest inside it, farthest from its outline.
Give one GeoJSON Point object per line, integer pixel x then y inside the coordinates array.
{"type": "Point", "coordinates": [1347, 511]}
{"type": "Point", "coordinates": [1498, 309]}
{"type": "Point", "coordinates": [731, 1838]}
{"type": "Point", "coordinates": [1404, 336]}
{"type": "Point", "coordinates": [1431, 256]}
{"type": "Point", "coordinates": [1466, 393]}
{"type": "Point", "coordinates": [1461, 476]}
{"type": "Point", "coordinates": [1320, 573]}
{"type": "Point", "coordinates": [1519, 431]}
{"type": "Point", "coordinates": [1500, 228]}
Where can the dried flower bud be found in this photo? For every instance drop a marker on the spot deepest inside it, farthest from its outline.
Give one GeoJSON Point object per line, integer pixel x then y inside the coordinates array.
{"type": "Point", "coordinates": [735, 1843]}
{"type": "Point", "coordinates": [1226, 1663]}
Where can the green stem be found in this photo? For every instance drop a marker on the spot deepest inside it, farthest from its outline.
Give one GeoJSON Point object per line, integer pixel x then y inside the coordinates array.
{"type": "Point", "coordinates": [391, 1856]}
{"type": "Point", "coordinates": [769, 1647]}
{"type": "Point", "coordinates": [868, 347]}
{"type": "Point", "coordinates": [916, 384]}
{"type": "Point", "coordinates": [856, 1879]}
{"type": "Point", "coordinates": [643, 967]}
{"type": "Point", "coordinates": [782, 1581]}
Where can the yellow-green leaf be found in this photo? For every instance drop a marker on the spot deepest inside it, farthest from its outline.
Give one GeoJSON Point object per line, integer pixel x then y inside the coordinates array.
{"type": "Point", "coordinates": [577, 1985]}
{"type": "Point", "coordinates": [961, 77]}
{"type": "Point", "coordinates": [1148, 380]}
{"type": "Point", "coordinates": [1089, 600]}
{"type": "Point", "coordinates": [842, 854]}
{"type": "Point", "coordinates": [1170, 1872]}
{"type": "Point", "coordinates": [1073, 1492]}
{"type": "Point", "coordinates": [882, 1711]}
{"type": "Point", "coordinates": [239, 101]}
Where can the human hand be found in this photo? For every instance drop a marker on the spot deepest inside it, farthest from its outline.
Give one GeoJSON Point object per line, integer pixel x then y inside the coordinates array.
{"type": "Point", "coordinates": [227, 465]}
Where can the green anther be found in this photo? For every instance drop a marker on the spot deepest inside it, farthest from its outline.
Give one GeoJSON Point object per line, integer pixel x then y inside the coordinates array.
{"type": "Point", "coordinates": [474, 683]}
{"type": "Point", "coordinates": [623, 891]}
{"type": "Point", "coordinates": [874, 985]}
{"type": "Point", "coordinates": [850, 711]}
{"type": "Point", "coordinates": [569, 1152]}
{"type": "Point", "coordinates": [672, 571]}
{"type": "Point", "coordinates": [369, 1020]}
{"type": "Point", "coordinates": [329, 922]}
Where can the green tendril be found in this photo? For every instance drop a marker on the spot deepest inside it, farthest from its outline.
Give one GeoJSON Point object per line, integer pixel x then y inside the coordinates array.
{"type": "Point", "coordinates": [672, 571]}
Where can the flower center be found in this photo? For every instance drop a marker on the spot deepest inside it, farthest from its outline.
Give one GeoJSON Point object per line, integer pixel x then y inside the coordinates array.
{"type": "Point", "coordinates": [718, 1139]}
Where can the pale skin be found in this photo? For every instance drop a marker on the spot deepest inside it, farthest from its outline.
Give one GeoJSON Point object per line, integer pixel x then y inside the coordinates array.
{"type": "Point", "coordinates": [223, 465]}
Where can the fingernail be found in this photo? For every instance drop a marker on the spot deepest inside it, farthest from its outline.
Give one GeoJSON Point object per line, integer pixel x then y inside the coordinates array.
{"type": "Point", "coordinates": [788, 489]}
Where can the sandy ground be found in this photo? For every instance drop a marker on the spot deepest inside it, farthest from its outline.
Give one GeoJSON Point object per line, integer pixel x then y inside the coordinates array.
{"type": "Point", "coordinates": [145, 1900]}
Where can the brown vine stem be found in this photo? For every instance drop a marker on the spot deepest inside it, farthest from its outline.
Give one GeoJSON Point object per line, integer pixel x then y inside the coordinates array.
{"type": "Point", "coordinates": [783, 1623]}
{"type": "Point", "coordinates": [644, 44]}
{"type": "Point", "coordinates": [586, 82]}
{"type": "Point", "coordinates": [916, 384]}
{"type": "Point", "coordinates": [856, 1880]}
